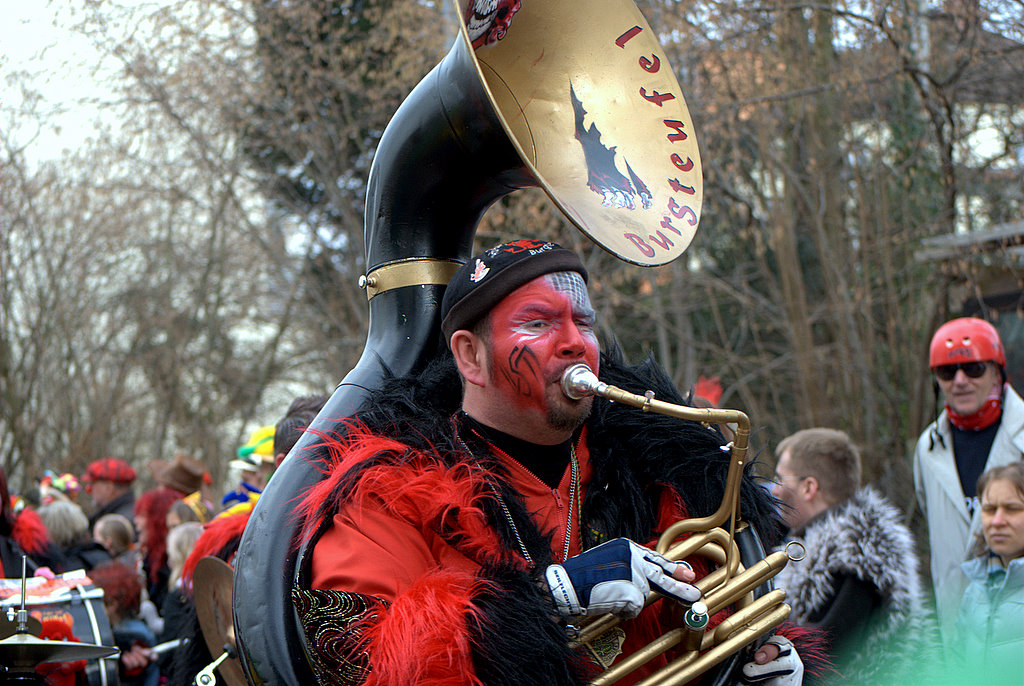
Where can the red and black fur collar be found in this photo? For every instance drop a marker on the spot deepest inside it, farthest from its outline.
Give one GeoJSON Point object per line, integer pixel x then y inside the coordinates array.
{"type": "Point", "coordinates": [407, 426]}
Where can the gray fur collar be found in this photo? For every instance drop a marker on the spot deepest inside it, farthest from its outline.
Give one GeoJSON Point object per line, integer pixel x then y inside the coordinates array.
{"type": "Point", "coordinates": [864, 536]}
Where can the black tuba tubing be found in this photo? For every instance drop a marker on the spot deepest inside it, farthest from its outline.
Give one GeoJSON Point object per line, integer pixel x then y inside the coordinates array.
{"type": "Point", "coordinates": [442, 161]}
{"type": "Point", "coordinates": [452, 159]}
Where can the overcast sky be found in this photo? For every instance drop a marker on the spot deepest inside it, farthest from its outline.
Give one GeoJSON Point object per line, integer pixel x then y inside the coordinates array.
{"type": "Point", "coordinates": [33, 40]}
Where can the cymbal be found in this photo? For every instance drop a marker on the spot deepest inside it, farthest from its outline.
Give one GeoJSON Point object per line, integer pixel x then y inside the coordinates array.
{"type": "Point", "coordinates": [212, 592]}
{"type": "Point", "coordinates": [25, 650]}
{"type": "Point", "coordinates": [9, 627]}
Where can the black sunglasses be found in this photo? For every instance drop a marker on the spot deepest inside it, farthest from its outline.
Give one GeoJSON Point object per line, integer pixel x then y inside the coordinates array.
{"type": "Point", "coordinates": [974, 370]}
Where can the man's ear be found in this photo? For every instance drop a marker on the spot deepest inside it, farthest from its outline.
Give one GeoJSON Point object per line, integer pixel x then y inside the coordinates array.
{"type": "Point", "coordinates": [810, 487]}
{"type": "Point", "coordinates": [470, 356]}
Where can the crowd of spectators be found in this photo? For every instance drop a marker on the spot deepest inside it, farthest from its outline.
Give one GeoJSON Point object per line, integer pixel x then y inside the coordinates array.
{"type": "Point", "coordinates": [860, 584]}
{"type": "Point", "coordinates": [136, 546]}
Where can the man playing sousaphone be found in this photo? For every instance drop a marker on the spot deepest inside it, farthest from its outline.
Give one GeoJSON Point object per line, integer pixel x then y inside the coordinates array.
{"type": "Point", "coordinates": [459, 518]}
{"type": "Point", "coordinates": [464, 528]}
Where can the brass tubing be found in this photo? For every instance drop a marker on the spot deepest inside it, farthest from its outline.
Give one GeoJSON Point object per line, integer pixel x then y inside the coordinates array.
{"type": "Point", "coordinates": [746, 618]}
{"type": "Point", "coordinates": [745, 615]}
{"type": "Point", "coordinates": [724, 586]}
{"type": "Point", "coordinates": [743, 618]}
{"type": "Point", "coordinates": [746, 581]}
{"type": "Point", "coordinates": [719, 579]}
{"type": "Point", "coordinates": [727, 509]}
{"type": "Point", "coordinates": [594, 629]}
{"type": "Point", "coordinates": [579, 381]}
{"type": "Point", "coordinates": [668, 640]}
{"type": "Point", "coordinates": [712, 551]}
{"type": "Point", "coordinates": [706, 416]}
{"type": "Point", "coordinates": [685, 669]}
{"type": "Point", "coordinates": [714, 545]}
{"type": "Point", "coordinates": [692, 544]}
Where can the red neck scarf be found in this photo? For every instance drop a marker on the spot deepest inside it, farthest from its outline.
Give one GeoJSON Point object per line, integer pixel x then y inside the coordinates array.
{"type": "Point", "coordinates": [985, 416]}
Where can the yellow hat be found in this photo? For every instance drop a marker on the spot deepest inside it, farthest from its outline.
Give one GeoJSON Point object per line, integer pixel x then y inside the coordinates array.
{"type": "Point", "coordinates": [260, 445]}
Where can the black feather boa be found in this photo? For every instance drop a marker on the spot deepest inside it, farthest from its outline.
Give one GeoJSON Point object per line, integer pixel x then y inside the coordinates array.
{"type": "Point", "coordinates": [632, 450]}
{"type": "Point", "coordinates": [520, 644]}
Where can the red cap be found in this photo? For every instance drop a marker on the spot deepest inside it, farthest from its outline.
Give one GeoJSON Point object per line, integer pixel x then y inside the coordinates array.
{"type": "Point", "coordinates": [109, 469]}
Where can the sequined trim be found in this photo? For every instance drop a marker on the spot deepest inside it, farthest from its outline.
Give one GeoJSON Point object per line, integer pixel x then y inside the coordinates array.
{"type": "Point", "coordinates": [334, 623]}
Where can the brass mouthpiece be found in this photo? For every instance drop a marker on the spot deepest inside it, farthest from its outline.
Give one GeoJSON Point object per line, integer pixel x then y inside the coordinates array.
{"type": "Point", "coordinates": [579, 382]}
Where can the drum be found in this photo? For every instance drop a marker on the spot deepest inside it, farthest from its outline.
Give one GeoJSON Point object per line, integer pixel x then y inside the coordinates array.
{"type": "Point", "coordinates": [81, 600]}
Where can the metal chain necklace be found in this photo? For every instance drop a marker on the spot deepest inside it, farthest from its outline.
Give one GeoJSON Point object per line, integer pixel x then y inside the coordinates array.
{"type": "Point", "coordinates": [573, 493]}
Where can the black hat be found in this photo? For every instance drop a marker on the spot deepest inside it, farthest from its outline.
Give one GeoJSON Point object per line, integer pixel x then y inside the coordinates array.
{"type": "Point", "coordinates": [486, 279]}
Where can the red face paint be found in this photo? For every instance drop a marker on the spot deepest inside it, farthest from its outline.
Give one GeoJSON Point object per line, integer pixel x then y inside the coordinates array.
{"type": "Point", "coordinates": [538, 331]}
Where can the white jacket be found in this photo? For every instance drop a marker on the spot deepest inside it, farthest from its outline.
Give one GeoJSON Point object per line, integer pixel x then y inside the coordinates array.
{"type": "Point", "coordinates": [937, 484]}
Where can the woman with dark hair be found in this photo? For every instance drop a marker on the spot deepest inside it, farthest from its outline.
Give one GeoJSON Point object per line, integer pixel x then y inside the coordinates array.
{"type": "Point", "coordinates": [989, 637]}
{"type": "Point", "coordinates": [151, 522]}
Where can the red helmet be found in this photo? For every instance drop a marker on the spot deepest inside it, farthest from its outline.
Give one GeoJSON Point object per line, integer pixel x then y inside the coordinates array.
{"type": "Point", "coordinates": [967, 339]}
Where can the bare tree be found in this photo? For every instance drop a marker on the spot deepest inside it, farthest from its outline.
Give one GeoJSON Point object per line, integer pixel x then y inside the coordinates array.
{"type": "Point", "coordinates": [143, 312]}
{"type": "Point", "coordinates": [833, 144]}
{"type": "Point", "coordinates": [834, 139]}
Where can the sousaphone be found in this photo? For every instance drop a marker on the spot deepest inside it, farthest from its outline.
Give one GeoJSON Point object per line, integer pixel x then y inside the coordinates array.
{"type": "Point", "coordinates": [575, 97]}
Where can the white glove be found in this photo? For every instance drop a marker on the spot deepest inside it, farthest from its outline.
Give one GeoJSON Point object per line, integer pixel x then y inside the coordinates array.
{"type": "Point", "coordinates": [785, 670]}
{"type": "Point", "coordinates": [615, 577]}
